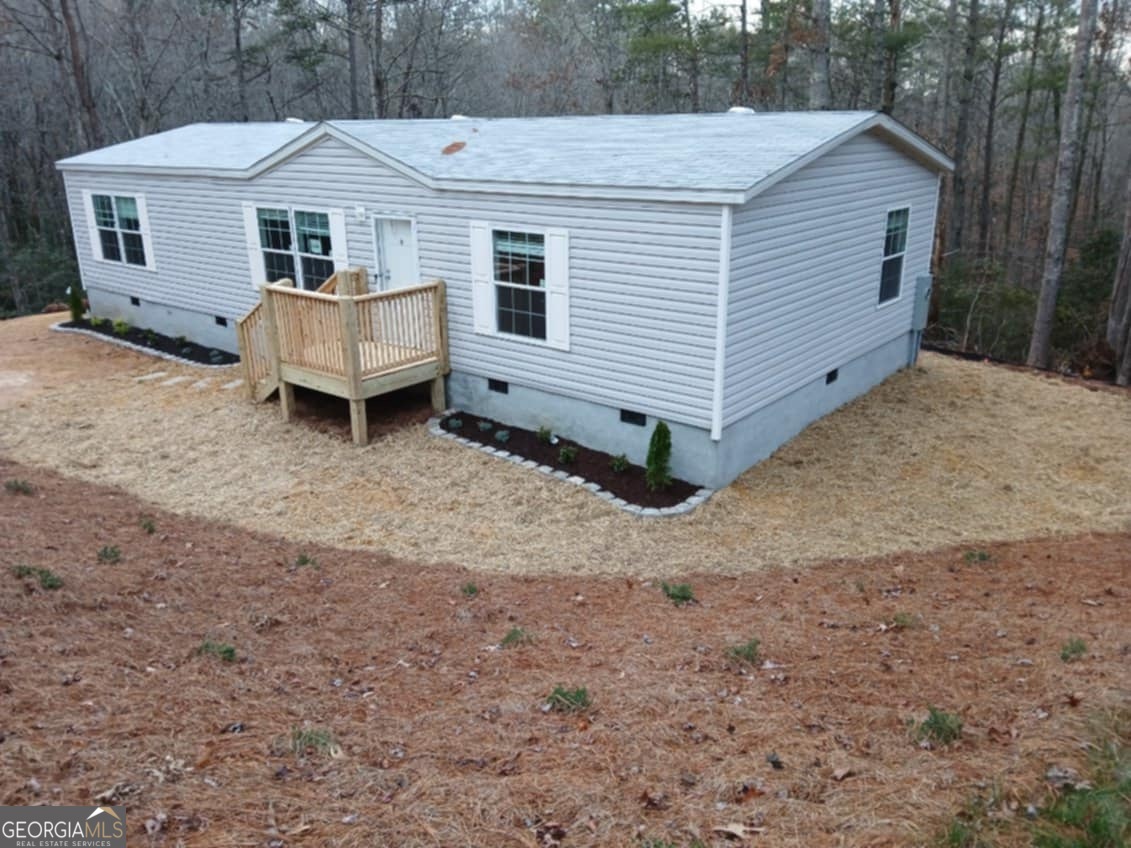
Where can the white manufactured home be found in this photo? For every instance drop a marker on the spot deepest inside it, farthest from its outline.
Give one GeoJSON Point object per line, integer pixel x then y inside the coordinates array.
{"type": "Point", "coordinates": [736, 275]}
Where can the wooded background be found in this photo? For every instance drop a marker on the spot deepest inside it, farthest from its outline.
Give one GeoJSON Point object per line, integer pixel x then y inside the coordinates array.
{"type": "Point", "coordinates": [1032, 98]}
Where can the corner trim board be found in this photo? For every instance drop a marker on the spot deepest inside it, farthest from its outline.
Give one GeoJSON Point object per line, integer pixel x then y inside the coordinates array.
{"type": "Point", "coordinates": [723, 305]}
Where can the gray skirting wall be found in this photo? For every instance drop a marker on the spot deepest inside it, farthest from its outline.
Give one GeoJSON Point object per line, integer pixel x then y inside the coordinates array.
{"type": "Point", "coordinates": [171, 321]}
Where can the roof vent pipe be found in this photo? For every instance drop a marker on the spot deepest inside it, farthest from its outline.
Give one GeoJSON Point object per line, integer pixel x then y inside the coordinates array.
{"type": "Point", "coordinates": [294, 121]}
{"type": "Point", "coordinates": [458, 117]}
{"type": "Point", "coordinates": [740, 110]}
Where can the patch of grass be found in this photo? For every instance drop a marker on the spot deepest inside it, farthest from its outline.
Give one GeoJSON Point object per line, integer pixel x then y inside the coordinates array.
{"type": "Point", "coordinates": [567, 455]}
{"type": "Point", "coordinates": [47, 578]}
{"type": "Point", "coordinates": [469, 589]}
{"type": "Point", "coordinates": [939, 727]}
{"type": "Point", "coordinates": [906, 621]}
{"type": "Point", "coordinates": [317, 739]}
{"type": "Point", "coordinates": [516, 637]}
{"type": "Point", "coordinates": [564, 700]}
{"type": "Point", "coordinates": [656, 842]}
{"type": "Point", "coordinates": [1073, 650]}
{"type": "Point", "coordinates": [977, 556]}
{"type": "Point", "coordinates": [148, 525]}
{"type": "Point", "coordinates": [619, 464]}
{"type": "Point", "coordinates": [18, 487]}
{"type": "Point", "coordinates": [678, 593]}
{"type": "Point", "coordinates": [545, 435]}
{"type": "Point", "coordinates": [109, 553]}
{"type": "Point", "coordinates": [222, 650]}
{"type": "Point", "coordinates": [306, 561]}
{"type": "Point", "coordinates": [748, 652]}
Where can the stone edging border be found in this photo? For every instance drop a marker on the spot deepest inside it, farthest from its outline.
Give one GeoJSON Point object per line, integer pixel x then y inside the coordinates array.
{"type": "Point", "coordinates": [148, 351]}
{"type": "Point", "coordinates": [681, 508]}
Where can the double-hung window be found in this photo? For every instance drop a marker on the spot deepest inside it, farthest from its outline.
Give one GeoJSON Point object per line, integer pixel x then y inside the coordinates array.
{"type": "Point", "coordinates": [895, 247]}
{"type": "Point", "coordinates": [119, 229]}
{"type": "Point", "coordinates": [296, 245]}
{"type": "Point", "coordinates": [519, 262]}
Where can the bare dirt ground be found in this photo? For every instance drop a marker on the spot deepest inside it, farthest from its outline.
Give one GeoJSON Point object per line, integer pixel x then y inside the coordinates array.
{"type": "Point", "coordinates": [420, 730]}
{"type": "Point", "coordinates": [949, 453]}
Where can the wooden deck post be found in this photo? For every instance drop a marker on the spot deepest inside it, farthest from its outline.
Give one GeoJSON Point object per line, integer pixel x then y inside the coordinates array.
{"type": "Point", "coordinates": [351, 356]}
{"type": "Point", "coordinates": [274, 351]}
{"type": "Point", "coordinates": [440, 334]}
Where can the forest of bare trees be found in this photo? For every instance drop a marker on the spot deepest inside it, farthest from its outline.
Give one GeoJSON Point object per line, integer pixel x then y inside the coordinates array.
{"type": "Point", "coordinates": [1032, 99]}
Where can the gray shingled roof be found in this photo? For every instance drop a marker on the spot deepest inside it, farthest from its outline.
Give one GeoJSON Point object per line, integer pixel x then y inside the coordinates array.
{"type": "Point", "coordinates": [700, 152]}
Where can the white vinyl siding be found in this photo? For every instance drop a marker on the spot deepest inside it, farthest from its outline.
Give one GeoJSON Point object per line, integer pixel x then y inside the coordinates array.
{"type": "Point", "coordinates": [639, 294]}
{"type": "Point", "coordinates": [806, 260]}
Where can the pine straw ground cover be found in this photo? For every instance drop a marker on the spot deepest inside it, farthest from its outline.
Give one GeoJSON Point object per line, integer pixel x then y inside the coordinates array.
{"type": "Point", "coordinates": [951, 452]}
{"type": "Point", "coordinates": [235, 689]}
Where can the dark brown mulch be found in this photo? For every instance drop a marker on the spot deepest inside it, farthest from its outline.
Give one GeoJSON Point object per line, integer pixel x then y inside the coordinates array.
{"type": "Point", "coordinates": [153, 340]}
{"type": "Point", "coordinates": [591, 464]}
{"type": "Point", "coordinates": [440, 735]}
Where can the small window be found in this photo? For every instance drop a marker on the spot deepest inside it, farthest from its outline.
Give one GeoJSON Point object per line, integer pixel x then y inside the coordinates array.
{"type": "Point", "coordinates": [627, 416]}
{"type": "Point", "coordinates": [119, 227]}
{"type": "Point", "coordinates": [500, 386]}
{"type": "Point", "coordinates": [296, 246]}
{"type": "Point", "coordinates": [830, 378]}
{"type": "Point", "coordinates": [895, 246]}
{"type": "Point", "coordinates": [221, 321]}
{"type": "Point", "coordinates": [135, 301]}
{"type": "Point", "coordinates": [519, 266]}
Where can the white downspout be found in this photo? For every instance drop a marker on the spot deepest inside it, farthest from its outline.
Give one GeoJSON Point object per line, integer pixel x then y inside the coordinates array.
{"type": "Point", "coordinates": [722, 301]}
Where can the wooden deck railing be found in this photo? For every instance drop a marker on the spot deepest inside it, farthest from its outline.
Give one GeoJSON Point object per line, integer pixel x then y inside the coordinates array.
{"type": "Point", "coordinates": [349, 343]}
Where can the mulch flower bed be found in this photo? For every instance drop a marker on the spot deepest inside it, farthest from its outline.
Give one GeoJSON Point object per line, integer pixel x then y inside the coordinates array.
{"type": "Point", "coordinates": [593, 465]}
{"type": "Point", "coordinates": [153, 340]}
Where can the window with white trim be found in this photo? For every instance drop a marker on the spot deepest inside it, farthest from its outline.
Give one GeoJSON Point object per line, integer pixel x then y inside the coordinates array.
{"type": "Point", "coordinates": [519, 263]}
{"type": "Point", "coordinates": [296, 245]}
{"type": "Point", "coordinates": [895, 247]}
{"type": "Point", "coordinates": [118, 222]}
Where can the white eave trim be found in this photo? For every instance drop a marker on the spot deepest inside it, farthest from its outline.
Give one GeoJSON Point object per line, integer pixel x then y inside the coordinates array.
{"type": "Point", "coordinates": [721, 315]}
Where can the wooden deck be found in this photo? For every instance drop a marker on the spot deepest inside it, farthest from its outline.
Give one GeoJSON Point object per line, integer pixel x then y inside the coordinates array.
{"type": "Point", "coordinates": [345, 341]}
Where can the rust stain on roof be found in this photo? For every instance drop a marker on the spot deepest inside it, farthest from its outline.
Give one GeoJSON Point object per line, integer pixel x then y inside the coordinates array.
{"type": "Point", "coordinates": [454, 147]}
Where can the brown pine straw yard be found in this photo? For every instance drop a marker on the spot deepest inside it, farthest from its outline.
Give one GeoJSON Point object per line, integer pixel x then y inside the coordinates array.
{"type": "Point", "coordinates": [369, 701]}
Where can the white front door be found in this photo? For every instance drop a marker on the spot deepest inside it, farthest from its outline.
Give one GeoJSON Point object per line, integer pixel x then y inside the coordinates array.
{"type": "Point", "coordinates": [396, 253]}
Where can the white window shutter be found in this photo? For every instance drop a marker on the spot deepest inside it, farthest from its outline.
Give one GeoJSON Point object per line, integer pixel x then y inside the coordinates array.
{"type": "Point", "coordinates": [482, 280]}
{"type": "Point", "coordinates": [338, 239]}
{"type": "Point", "coordinates": [146, 238]}
{"type": "Point", "coordinates": [91, 225]}
{"type": "Point", "coordinates": [254, 251]}
{"type": "Point", "coordinates": [557, 289]}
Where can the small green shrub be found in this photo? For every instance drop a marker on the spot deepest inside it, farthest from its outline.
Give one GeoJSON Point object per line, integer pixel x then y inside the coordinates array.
{"type": "Point", "coordinates": [182, 341]}
{"type": "Point", "coordinates": [619, 464]}
{"type": "Point", "coordinates": [306, 561]}
{"type": "Point", "coordinates": [906, 621]}
{"type": "Point", "coordinates": [657, 468]}
{"type": "Point", "coordinates": [469, 589]}
{"type": "Point", "coordinates": [567, 455]}
{"type": "Point", "coordinates": [454, 423]}
{"type": "Point", "coordinates": [1073, 650]}
{"type": "Point", "coordinates": [75, 302]}
{"type": "Point", "coordinates": [545, 435]}
{"type": "Point", "coordinates": [148, 525]}
{"type": "Point", "coordinates": [747, 652]}
{"type": "Point", "coordinates": [316, 739]}
{"type": "Point", "coordinates": [18, 487]}
{"type": "Point", "coordinates": [109, 553]}
{"type": "Point", "coordinates": [222, 650]}
{"type": "Point", "coordinates": [502, 436]}
{"type": "Point", "coordinates": [484, 426]}
{"type": "Point", "coordinates": [97, 322]}
{"type": "Point", "coordinates": [47, 579]}
{"type": "Point", "coordinates": [121, 327]}
{"type": "Point", "coordinates": [939, 726]}
{"type": "Point", "coordinates": [678, 593]}
{"type": "Point", "coordinates": [564, 700]}
{"type": "Point", "coordinates": [977, 556]}
{"type": "Point", "coordinates": [516, 637]}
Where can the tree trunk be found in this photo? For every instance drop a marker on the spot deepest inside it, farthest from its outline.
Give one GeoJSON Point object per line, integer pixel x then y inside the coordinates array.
{"type": "Point", "coordinates": [378, 91]}
{"type": "Point", "coordinates": [743, 98]}
{"type": "Point", "coordinates": [1119, 316]}
{"type": "Point", "coordinates": [1026, 106]}
{"type": "Point", "coordinates": [942, 131]}
{"type": "Point", "coordinates": [891, 59]}
{"type": "Point", "coordinates": [241, 67]}
{"type": "Point", "coordinates": [957, 219]}
{"type": "Point", "coordinates": [820, 96]}
{"type": "Point", "coordinates": [80, 73]}
{"type": "Point", "coordinates": [879, 31]}
{"type": "Point", "coordinates": [1040, 345]}
{"type": "Point", "coordinates": [988, 151]}
{"type": "Point", "coordinates": [692, 48]}
{"type": "Point", "coordinates": [353, 33]}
